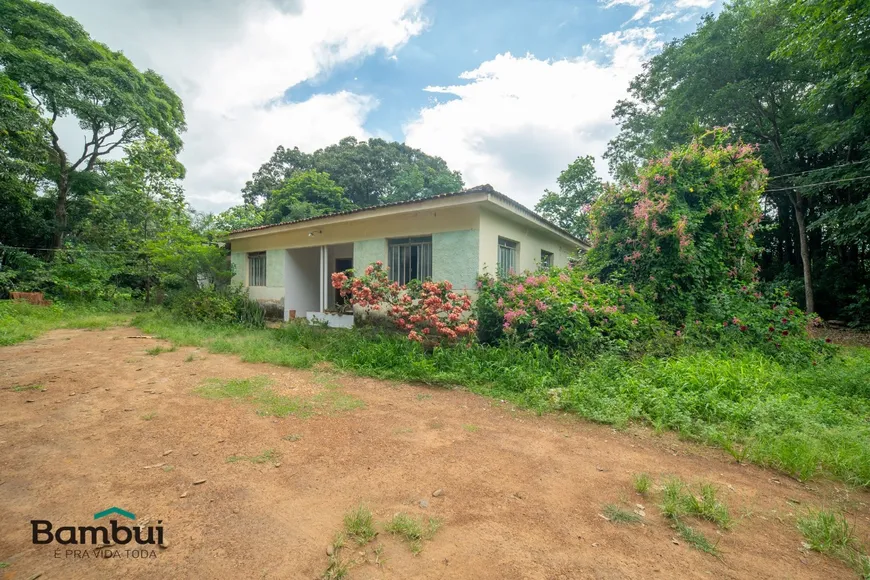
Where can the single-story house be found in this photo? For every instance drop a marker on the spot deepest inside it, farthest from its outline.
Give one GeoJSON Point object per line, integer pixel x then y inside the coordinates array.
{"type": "Point", "coordinates": [454, 236]}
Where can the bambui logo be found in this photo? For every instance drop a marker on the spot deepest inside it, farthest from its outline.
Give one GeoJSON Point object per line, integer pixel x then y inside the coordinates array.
{"type": "Point", "coordinates": [107, 540]}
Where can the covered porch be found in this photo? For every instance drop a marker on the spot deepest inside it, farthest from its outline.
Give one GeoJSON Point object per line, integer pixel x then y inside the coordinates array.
{"type": "Point", "coordinates": [308, 291]}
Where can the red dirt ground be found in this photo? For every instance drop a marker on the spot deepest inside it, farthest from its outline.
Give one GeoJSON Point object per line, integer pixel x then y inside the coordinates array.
{"type": "Point", "coordinates": [522, 494]}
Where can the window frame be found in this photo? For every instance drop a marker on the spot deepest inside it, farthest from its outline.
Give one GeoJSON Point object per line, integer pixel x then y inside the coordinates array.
{"type": "Point", "coordinates": [547, 259]}
{"type": "Point", "coordinates": [507, 247]}
{"type": "Point", "coordinates": [401, 254]}
{"type": "Point", "coordinates": [256, 273]}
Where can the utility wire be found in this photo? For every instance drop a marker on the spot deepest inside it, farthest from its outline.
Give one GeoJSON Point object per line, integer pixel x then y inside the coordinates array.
{"type": "Point", "coordinates": [817, 184]}
{"type": "Point", "coordinates": [819, 169]}
{"type": "Point", "coordinates": [3, 246]}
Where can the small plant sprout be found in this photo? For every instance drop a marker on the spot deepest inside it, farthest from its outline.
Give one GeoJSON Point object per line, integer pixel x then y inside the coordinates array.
{"type": "Point", "coordinates": [413, 530]}
{"type": "Point", "coordinates": [359, 525]}
{"type": "Point", "coordinates": [642, 483]}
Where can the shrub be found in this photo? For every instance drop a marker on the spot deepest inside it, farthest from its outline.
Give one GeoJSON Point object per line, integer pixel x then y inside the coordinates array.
{"type": "Point", "coordinates": [219, 306]}
{"type": "Point", "coordinates": [685, 228]}
{"type": "Point", "coordinates": [430, 312]}
{"type": "Point", "coordinates": [771, 323]}
{"type": "Point", "coordinates": [564, 309]}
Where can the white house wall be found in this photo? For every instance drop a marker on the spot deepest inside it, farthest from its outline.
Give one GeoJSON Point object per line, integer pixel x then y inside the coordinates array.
{"type": "Point", "coordinates": [531, 241]}
{"type": "Point", "coordinates": [301, 281]}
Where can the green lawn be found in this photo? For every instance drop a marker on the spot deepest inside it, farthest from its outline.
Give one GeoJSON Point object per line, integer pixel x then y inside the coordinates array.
{"type": "Point", "coordinates": [20, 321]}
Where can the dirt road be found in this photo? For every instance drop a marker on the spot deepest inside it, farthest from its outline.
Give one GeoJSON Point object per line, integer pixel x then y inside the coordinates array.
{"type": "Point", "coordinates": [91, 421]}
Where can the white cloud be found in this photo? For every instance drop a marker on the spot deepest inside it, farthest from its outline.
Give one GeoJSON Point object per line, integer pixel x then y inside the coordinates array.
{"type": "Point", "coordinates": [643, 6]}
{"type": "Point", "coordinates": [232, 61]}
{"type": "Point", "coordinates": [664, 16]}
{"type": "Point", "coordinates": [519, 121]}
{"type": "Point", "coordinates": [694, 3]}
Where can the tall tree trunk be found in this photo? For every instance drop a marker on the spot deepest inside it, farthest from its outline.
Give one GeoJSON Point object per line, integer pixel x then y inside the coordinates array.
{"type": "Point", "coordinates": [60, 215]}
{"type": "Point", "coordinates": [798, 202]}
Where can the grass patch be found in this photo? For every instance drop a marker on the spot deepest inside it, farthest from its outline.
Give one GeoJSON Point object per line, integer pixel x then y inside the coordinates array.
{"type": "Point", "coordinates": [413, 530]}
{"type": "Point", "coordinates": [804, 420]}
{"type": "Point", "coordinates": [471, 428]}
{"type": "Point", "coordinates": [618, 515]}
{"type": "Point", "coordinates": [149, 416]}
{"type": "Point", "coordinates": [292, 437]}
{"type": "Point", "coordinates": [23, 388]}
{"type": "Point", "coordinates": [160, 349]}
{"type": "Point", "coordinates": [832, 534]}
{"type": "Point", "coordinates": [359, 525]}
{"type": "Point", "coordinates": [695, 538]}
{"type": "Point", "coordinates": [642, 483]}
{"type": "Point", "coordinates": [189, 358]}
{"type": "Point", "coordinates": [679, 500]}
{"type": "Point", "coordinates": [20, 321]}
{"type": "Point", "coordinates": [337, 568]}
{"type": "Point", "coordinates": [268, 403]}
{"type": "Point", "coordinates": [267, 456]}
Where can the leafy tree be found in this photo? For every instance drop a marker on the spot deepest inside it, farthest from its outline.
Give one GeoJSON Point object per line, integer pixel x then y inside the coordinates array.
{"type": "Point", "coordinates": [303, 195]}
{"type": "Point", "coordinates": [235, 218]}
{"type": "Point", "coordinates": [67, 73]}
{"type": "Point", "coordinates": [140, 219]}
{"type": "Point", "coordinates": [579, 186]}
{"type": "Point", "coordinates": [282, 164]}
{"type": "Point", "coordinates": [685, 229]}
{"type": "Point", "coordinates": [370, 172]}
{"type": "Point", "coordinates": [22, 153]}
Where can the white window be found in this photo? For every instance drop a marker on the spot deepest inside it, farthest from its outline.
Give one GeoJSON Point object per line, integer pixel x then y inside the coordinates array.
{"type": "Point", "coordinates": [507, 256]}
{"type": "Point", "coordinates": [257, 269]}
{"type": "Point", "coordinates": [546, 259]}
{"type": "Point", "coordinates": [410, 259]}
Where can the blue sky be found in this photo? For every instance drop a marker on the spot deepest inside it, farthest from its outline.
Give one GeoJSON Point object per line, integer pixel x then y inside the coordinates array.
{"type": "Point", "coordinates": [508, 92]}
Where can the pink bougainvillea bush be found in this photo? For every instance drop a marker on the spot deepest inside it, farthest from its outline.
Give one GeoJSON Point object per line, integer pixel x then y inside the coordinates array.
{"type": "Point", "coordinates": [685, 229]}
{"type": "Point", "coordinates": [564, 309]}
{"type": "Point", "coordinates": [431, 313]}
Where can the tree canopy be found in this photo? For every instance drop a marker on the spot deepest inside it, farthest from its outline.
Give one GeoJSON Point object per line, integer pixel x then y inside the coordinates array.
{"type": "Point", "coordinates": [369, 172]}
{"type": "Point", "coordinates": [305, 194]}
{"type": "Point", "coordinates": [568, 208]}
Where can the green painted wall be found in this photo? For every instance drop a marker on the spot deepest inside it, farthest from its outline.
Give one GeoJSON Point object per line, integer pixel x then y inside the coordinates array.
{"type": "Point", "coordinates": [455, 258]}
{"type": "Point", "coordinates": [367, 252]}
{"type": "Point", "coordinates": [239, 263]}
{"type": "Point", "coordinates": [275, 268]}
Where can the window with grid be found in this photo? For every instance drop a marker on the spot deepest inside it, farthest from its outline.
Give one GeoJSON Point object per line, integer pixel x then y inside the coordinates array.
{"type": "Point", "coordinates": [409, 259]}
{"type": "Point", "coordinates": [257, 269]}
{"type": "Point", "coordinates": [546, 259]}
{"type": "Point", "coordinates": [507, 256]}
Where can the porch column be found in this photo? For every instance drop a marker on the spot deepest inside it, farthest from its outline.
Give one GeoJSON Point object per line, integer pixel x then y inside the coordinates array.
{"type": "Point", "coordinates": [324, 275]}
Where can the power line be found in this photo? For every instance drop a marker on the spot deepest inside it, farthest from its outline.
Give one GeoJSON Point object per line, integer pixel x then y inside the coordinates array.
{"type": "Point", "coordinates": [817, 184]}
{"type": "Point", "coordinates": [4, 246]}
{"type": "Point", "coordinates": [819, 169]}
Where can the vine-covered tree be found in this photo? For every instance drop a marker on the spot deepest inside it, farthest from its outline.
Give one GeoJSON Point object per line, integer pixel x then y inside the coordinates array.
{"type": "Point", "coordinates": [686, 228]}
